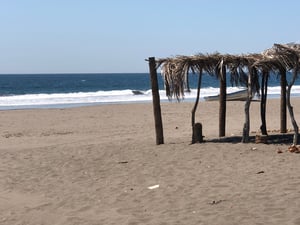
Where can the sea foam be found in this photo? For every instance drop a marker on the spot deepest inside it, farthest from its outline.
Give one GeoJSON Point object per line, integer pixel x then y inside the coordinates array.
{"type": "Point", "coordinates": [106, 97]}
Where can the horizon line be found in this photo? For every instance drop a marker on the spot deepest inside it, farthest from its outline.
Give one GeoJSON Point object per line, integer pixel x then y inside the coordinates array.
{"type": "Point", "coordinates": [66, 73]}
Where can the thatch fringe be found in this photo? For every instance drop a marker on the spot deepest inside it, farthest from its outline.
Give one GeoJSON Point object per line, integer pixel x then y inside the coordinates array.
{"type": "Point", "coordinates": [175, 71]}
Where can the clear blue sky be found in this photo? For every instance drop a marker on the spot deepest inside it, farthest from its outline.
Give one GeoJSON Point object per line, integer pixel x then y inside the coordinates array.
{"type": "Point", "coordinates": [52, 36]}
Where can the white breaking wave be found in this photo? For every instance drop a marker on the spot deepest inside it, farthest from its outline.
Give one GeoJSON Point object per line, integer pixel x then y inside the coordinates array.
{"type": "Point", "coordinates": [105, 97]}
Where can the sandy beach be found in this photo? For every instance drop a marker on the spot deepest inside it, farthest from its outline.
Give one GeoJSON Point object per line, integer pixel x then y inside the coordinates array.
{"type": "Point", "coordinates": [100, 165]}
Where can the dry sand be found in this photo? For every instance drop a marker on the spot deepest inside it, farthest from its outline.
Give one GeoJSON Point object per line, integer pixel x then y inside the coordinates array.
{"type": "Point", "coordinates": [93, 165]}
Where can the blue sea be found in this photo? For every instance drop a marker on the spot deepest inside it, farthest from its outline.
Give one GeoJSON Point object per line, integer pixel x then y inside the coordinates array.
{"type": "Point", "coordinates": [20, 91]}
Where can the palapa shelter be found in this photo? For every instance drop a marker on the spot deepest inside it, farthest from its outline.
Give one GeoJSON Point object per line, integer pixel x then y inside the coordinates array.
{"type": "Point", "coordinates": [249, 70]}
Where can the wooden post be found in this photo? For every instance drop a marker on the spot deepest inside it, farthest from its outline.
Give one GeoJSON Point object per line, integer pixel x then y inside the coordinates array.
{"type": "Point", "coordinates": [246, 128]}
{"type": "Point", "coordinates": [194, 137]}
{"type": "Point", "coordinates": [197, 133]}
{"type": "Point", "coordinates": [263, 101]}
{"type": "Point", "coordinates": [222, 102]}
{"type": "Point", "coordinates": [156, 102]}
{"type": "Point", "coordinates": [283, 83]}
{"type": "Point", "coordinates": [290, 107]}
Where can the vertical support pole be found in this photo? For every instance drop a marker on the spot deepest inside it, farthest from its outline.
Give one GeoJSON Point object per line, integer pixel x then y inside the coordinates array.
{"type": "Point", "coordinates": [283, 113]}
{"type": "Point", "coordinates": [263, 101]}
{"type": "Point", "coordinates": [194, 136]}
{"type": "Point", "coordinates": [246, 128]}
{"type": "Point", "coordinates": [222, 102]}
{"type": "Point", "coordinates": [156, 102]}
{"type": "Point", "coordinates": [290, 107]}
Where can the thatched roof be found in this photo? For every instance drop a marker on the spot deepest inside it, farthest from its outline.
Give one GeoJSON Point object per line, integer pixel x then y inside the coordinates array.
{"type": "Point", "coordinates": [175, 71]}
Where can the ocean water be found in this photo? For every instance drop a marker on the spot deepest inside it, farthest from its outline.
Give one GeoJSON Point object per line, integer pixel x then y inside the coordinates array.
{"type": "Point", "coordinates": [19, 91]}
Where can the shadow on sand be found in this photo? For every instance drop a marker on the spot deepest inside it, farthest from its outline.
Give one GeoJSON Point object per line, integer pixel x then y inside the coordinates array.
{"type": "Point", "coordinates": [271, 139]}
